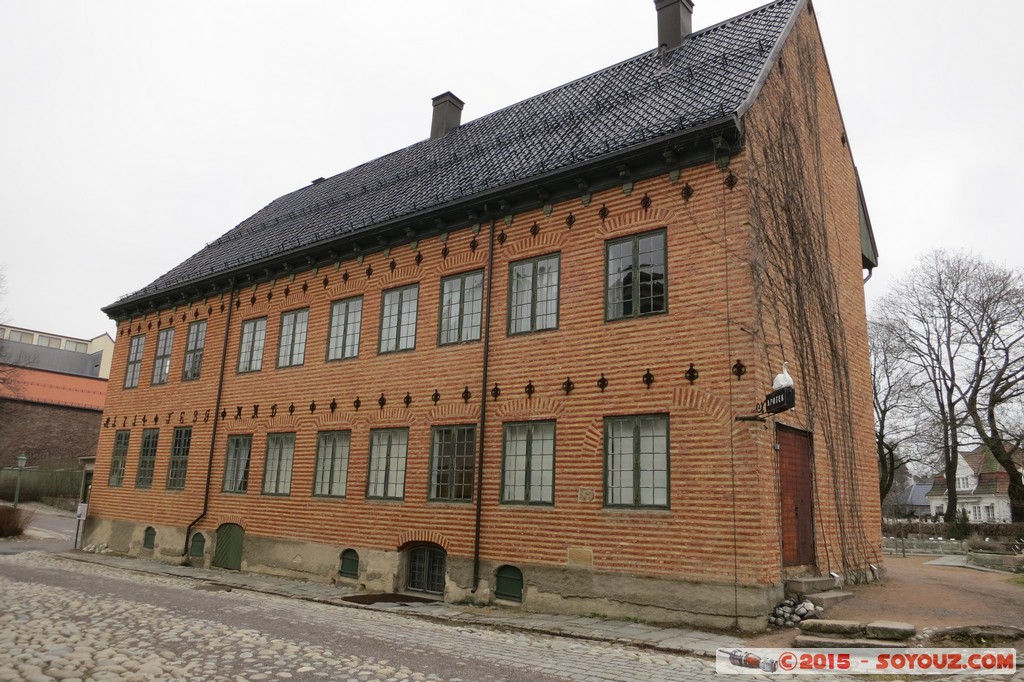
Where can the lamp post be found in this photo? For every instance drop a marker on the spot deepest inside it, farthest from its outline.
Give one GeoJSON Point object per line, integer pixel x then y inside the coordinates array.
{"type": "Point", "coordinates": [17, 486]}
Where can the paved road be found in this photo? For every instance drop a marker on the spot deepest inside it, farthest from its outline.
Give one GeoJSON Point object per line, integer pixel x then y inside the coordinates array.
{"type": "Point", "coordinates": [68, 620]}
{"type": "Point", "coordinates": [50, 530]}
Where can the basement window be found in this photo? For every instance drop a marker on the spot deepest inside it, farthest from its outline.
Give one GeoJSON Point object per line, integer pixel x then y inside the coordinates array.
{"type": "Point", "coordinates": [149, 538]}
{"type": "Point", "coordinates": [349, 564]}
{"type": "Point", "coordinates": [508, 584]}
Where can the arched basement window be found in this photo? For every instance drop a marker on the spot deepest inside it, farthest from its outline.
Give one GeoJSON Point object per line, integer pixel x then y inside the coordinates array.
{"type": "Point", "coordinates": [349, 564]}
{"type": "Point", "coordinates": [509, 583]}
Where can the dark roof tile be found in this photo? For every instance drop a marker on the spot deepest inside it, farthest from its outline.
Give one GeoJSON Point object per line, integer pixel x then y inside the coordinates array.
{"type": "Point", "coordinates": [711, 76]}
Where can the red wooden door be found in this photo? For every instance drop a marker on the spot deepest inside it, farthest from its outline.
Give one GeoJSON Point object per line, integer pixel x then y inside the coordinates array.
{"type": "Point", "coordinates": [797, 497]}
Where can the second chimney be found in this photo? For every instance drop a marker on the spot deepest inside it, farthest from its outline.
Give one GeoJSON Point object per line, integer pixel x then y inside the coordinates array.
{"type": "Point", "coordinates": [447, 114]}
{"type": "Point", "coordinates": [675, 21]}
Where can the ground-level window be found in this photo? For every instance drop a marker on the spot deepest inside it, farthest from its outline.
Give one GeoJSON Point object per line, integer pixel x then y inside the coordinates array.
{"type": "Point", "coordinates": [635, 276]}
{"type": "Point", "coordinates": [386, 477]}
{"type": "Point", "coordinates": [426, 569]}
{"type": "Point", "coordinates": [198, 546]}
{"type": "Point", "coordinates": [119, 459]}
{"type": "Point", "coordinates": [331, 463]}
{"type": "Point", "coordinates": [349, 564]}
{"type": "Point", "coordinates": [528, 463]}
{"type": "Point", "coordinates": [451, 463]}
{"type": "Point", "coordinates": [277, 474]}
{"type": "Point", "coordinates": [147, 458]}
{"type": "Point", "coordinates": [636, 461]}
{"type": "Point", "coordinates": [179, 458]}
{"type": "Point", "coordinates": [236, 469]}
{"type": "Point", "coordinates": [508, 583]}
{"type": "Point", "coordinates": [149, 538]}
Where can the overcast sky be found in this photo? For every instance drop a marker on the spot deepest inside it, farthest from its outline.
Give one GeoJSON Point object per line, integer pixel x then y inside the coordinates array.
{"type": "Point", "coordinates": [132, 133]}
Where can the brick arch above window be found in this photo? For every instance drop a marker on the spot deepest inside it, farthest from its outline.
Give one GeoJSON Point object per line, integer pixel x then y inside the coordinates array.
{"type": "Point", "coordinates": [548, 241]}
{"type": "Point", "coordinates": [529, 409]}
{"type": "Point", "coordinates": [400, 276]}
{"type": "Point", "coordinates": [636, 221]}
{"type": "Point", "coordinates": [413, 537]}
{"type": "Point", "coordinates": [461, 412]}
{"type": "Point", "coordinates": [388, 416]}
{"type": "Point", "coordinates": [225, 519]}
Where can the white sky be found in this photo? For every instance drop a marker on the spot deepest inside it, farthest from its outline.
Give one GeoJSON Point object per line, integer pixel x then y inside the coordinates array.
{"type": "Point", "coordinates": [134, 132]}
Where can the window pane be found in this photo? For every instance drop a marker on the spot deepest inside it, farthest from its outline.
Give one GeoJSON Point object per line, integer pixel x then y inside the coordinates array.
{"type": "Point", "coordinates": [162, 362]}
{"type": "Point", "coordinates": [147, 458]}
{"type": "Point", "coordinates": [131, 376]}
{"type": "Point", "coordinates": [277, 476]}
{"type": "Point", "coordinates": [332, 463]}
{"type": "Point", "coordinates": [521, 304]}
{"type": "Point", "coordinates": [194, 350]}
{"type": "Point", "coordinates": [236, 472]}
{"type": "Point", "coordinates": [346, 318]}
{"type": "Point", "coordinates": [547, 294]}
{"type": "Point", "coordinates": [620, 280]}
{"type": "Point", "coordinates": [386, 475]}
{"type": "Point", "coordinates": [407, 336]}
{"type": "Point", "coordinates": [451, 299]}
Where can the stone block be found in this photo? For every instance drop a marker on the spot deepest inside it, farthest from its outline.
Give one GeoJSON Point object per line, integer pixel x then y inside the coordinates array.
{"type": "Point", "coordinates": [889, 629]}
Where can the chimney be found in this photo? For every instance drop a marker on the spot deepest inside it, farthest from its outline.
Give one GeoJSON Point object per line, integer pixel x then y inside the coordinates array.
{"type": "Point", "coordinates": [675, 21]}
{"type": "Point", "coordinates": [447, 114]}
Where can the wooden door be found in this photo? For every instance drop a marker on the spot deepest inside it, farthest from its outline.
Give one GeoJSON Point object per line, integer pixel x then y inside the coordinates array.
{"type": "Point", "coordinates": [796, 497]}
{"type": "Point", "coordinates": [228, 553]}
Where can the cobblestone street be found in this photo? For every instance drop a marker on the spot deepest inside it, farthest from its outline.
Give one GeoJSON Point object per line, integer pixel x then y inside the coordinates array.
{"type": "Point", "coordinates": [66, 620]}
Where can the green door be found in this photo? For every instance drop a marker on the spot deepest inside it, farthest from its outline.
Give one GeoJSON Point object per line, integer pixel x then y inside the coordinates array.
{"type": "Point", "coordinates": [229, 547]}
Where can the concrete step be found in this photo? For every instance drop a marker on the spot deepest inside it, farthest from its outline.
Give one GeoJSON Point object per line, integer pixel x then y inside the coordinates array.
{"type": "Point", "coordinates": [827, 599]}
{"type": "Point", "coordinates": [810, 584]}
{"type": "Point", "coordinates": [838, 630]}
{"type": "Point", "coordinates": [826, 642]}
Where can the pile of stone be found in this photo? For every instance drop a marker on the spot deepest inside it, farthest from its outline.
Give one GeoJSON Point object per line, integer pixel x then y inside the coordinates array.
{"type": "Point", "coordinates": [791, 612]}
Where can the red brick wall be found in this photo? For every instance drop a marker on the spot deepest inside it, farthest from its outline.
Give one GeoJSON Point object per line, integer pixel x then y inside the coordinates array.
{"type": "Point", "coordinates": [722, 525]}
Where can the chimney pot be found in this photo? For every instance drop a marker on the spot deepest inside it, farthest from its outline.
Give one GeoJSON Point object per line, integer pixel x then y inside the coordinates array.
{"type": "Point", "coordinates": [675, 21]}
{"type": "Point", "coordinates": [447, 114]}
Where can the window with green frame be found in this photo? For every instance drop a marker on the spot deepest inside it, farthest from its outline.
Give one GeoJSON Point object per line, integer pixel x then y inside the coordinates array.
{"type": "Point", "coordinates": [179, 458]}
{"type": "Point", "coordinates": [508, 583]}
{"type": "Point", "coordinates": [331, 463]}
{"type": "Point", "coordinates": [528, 463]}
{"type": "Point", "coordinates": [119, 459]}
{"type": "Point", "coordinates": [149, 538]}
{"type": "Point", "coordinates": [636, 461]}
{"type": "Point", "coordinates": [134, 368]}
{"type": "Point", "coordinates": [250, 349]}
{"type": "Point", "coordinates": [386, 476]}
{"type": "Point", "coordinates": [291, 350]}
{"type": "Point", "coordinates": [461, 303]}
{"type": "Point", "coordinates": [635, 276]}
{"type": "Point", "coordinates": [194, 345]}
{"type": "Point", "coordinates": [533, 294]}
{"type": "Point", "coordinates": [162, 361]}
{"type": "Point", "coordinates": [346, 322]}
{"type": "Point", "coordinates": [398, 319]}
{"type": "Point", "coordinates": [277, 474]}
{"type": "Point", "coordinates": [349, 564]}
{"type": "Point", "coordinates": [451, 463]}
{"type": "Point", "coordinates": [147, 459]}
{"type": "Point", "coordinates": [236, 468]}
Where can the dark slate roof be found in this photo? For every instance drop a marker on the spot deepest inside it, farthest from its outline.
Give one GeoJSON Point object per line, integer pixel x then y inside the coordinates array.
{"type": "Point", "coordinates": [914, 495]}
{"type": "Point", "coordinates": [713, 76]}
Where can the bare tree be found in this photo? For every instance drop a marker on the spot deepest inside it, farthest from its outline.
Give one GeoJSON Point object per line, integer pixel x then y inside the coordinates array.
{"type": "Point", "coordinates": [960, 319]}
{"type": "Point", "coordinates": [994, 324]}
{"type": "Point", "coordinates": [895, 396]}
{"type": "Point", "coordinates": [920, 314]}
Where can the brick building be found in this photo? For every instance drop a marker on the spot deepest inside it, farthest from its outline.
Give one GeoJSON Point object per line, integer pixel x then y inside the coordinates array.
{"type": "Point", "coordinates": [526, 358]}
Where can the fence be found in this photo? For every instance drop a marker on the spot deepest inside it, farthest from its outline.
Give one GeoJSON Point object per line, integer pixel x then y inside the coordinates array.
{"type": "Point", "coordinates": [39, 484]}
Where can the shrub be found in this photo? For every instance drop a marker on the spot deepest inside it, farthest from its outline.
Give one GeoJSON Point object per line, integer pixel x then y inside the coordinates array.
{"type": "Point", "coordinates": [975, 541]}
{"type": "Point", "coordinates": [13, 522]}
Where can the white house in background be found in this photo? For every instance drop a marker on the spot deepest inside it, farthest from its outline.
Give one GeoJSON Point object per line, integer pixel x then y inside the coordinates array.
{"type": "Point", "coordinates": [982, 487]}
{"type": "Point", "coordinates": [55, 352]}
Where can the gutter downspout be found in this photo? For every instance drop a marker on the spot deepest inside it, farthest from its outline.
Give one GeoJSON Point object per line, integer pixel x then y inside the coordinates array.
{"type": "Point", "coordinates": [216, 422]}
{"type": "Point", "coordinates": [483, 417]}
